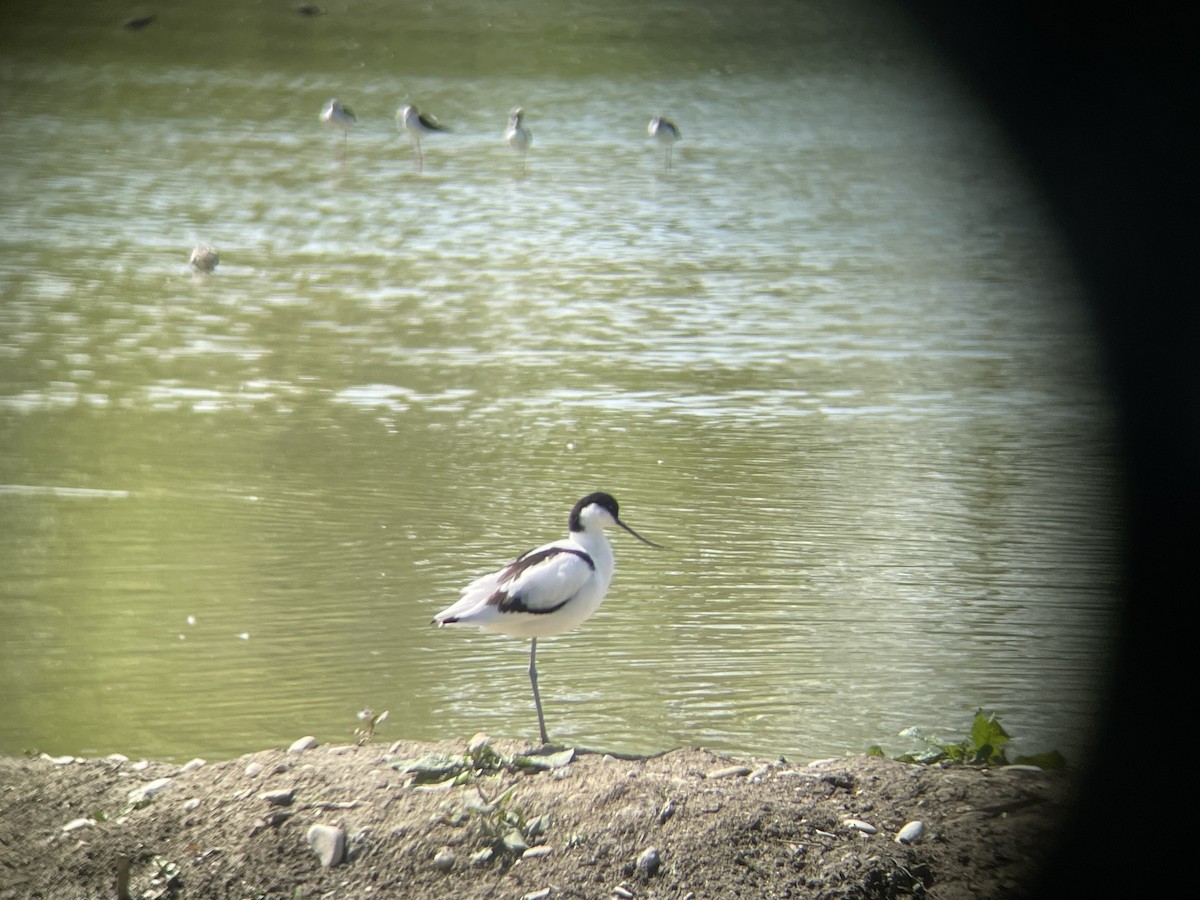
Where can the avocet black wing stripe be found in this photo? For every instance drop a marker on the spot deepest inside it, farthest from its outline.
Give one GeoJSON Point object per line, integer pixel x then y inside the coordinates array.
{"type": "Point", "coordinates": [513, 599]}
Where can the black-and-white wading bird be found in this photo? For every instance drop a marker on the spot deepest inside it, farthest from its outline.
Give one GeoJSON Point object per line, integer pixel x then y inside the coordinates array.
{"type": "Point", "coordinates": [517, 135]}
{"type": "Point", "coordinates": [550, 589]}
{"type": "Point", "coordinates": [416, 124]}
{"type": "Point", "coordinates": [337, 115]}
{"type": "Point", "coordinates": [666, 133]}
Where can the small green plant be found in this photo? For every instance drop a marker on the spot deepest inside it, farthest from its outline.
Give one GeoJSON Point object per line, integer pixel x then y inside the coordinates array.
{"type": "Point", "coordinates": [367, 731]}
{"type": "Point", "coordinates": [500, 821]}
{"type": "Point", "coordinates": [481, 758]}
{"type": "Point", "coordinates": [507, 829]}
{"type": "Point", "coordinates": [164, 882]}
{"type": "Point", "coordinates": [984, 747]}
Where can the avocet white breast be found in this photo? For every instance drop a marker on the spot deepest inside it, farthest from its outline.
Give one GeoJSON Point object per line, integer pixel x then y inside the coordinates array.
{"type": "Point", "coordinates": [337, 115]}
{"type": "Point", "coordinates": [550, 589]}
{"type": "Point", "coordinates": [517, 135]}
{"type": "Point", "coordinates": [416, 124]}
{"type": "Point", "coordinates": [666, 133]}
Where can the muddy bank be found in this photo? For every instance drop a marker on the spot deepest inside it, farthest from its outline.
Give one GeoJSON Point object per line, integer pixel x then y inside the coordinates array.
{"type": "Point", "coordinates": [428, 820]}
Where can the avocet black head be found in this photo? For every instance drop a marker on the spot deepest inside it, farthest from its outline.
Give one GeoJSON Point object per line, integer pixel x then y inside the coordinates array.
{"type": "Point", "coordinates": [549, 590]}
{"type": "Point", "coordinates": [599, 510]}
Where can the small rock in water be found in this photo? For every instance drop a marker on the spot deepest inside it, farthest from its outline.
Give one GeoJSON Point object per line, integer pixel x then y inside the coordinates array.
{"type": "Point", "coordinates": [328, 842]}
{"type": "Point", "coordinates": [910, 833]}
{"type": "Point", "coordinates": [205, 258]}
{"type": "Point", "coordinates": [302, 744]}
{"type": "Point", "coordinates": [648, 862]}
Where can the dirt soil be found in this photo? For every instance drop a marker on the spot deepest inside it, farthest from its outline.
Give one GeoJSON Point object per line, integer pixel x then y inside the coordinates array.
{"type": "Point", "coordinates": [685, 824]}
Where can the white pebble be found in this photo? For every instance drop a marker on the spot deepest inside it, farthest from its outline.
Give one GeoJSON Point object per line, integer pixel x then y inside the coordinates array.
{"type": "Point", "coordinates": [859, 825]}
{"type": "Point", "coordinates": [729, 772]}
{"type": "Point", "coordinates": [76, 824]}
{"type": "Point", "coordinates": [444, 860]}
{"type": "Point", "coordinates": [141, 794]}
{"type": "Point", "coordinates": [537, 852]}
{"type": "Point", "coordinates": [302, 744]}
{"type": "Point", "coordinates": [191, 805]}
{"type": "Point", "coordinates": [328, 842]}
{"type": "Point", "coordinates": [514, 843]}
{"type": "Point", "coordinates": [282, 797]}
{"type": "Point", "coordinates": [910, 833]}
{"type": "Point", "coordinates": [193, 764]}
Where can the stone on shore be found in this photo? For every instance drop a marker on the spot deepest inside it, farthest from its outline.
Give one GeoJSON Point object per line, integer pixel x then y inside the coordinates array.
{"type": "Point", "coordinates": [328, 842]}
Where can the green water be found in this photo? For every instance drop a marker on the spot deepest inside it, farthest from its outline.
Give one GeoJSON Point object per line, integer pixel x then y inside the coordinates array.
{"type": "Point", "coordinates": [834, 359]}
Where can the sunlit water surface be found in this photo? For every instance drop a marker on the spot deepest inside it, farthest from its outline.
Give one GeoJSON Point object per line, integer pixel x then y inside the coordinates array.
{"type": "Point", "coordinates": [834, 359]}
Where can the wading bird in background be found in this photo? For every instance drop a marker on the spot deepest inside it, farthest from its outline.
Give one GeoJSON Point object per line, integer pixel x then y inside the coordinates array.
{"type": "Point", "coordinates": [416, 124]}
{"type": "Point", "coordinates": [666, 133]}
{"type": "Point", "coordinates": [335, 115]}
{"type": "Point", "coordinates": [517, 135]}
